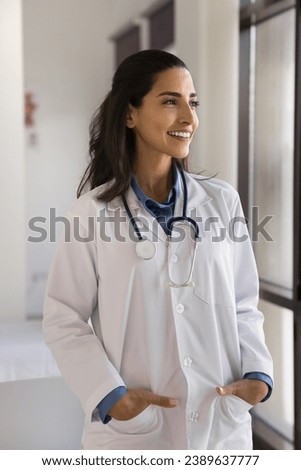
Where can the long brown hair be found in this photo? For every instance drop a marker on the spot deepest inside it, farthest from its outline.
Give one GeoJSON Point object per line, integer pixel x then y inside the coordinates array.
{"type": "Point", "coordinates": [112, 143]}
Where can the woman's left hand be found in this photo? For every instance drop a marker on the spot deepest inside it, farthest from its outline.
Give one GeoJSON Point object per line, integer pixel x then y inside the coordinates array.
{"type": "Point", "coordinates": [249, 390]}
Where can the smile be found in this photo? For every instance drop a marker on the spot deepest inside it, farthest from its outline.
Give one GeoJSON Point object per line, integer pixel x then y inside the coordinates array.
{"type": "Point", "coordinates": [183, 135]}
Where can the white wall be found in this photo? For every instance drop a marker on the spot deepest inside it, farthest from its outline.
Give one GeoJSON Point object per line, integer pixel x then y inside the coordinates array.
{"type": "Point", "coordinates": [63, 70]}
{"type": "Point", "coordinates": [12, 207]}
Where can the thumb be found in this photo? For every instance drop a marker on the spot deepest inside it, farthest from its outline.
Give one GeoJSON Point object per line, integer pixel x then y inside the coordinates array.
{"type": "Point", "coordinates": [227, 390]}
{"type": "Point", "coordinates": [158, 400]}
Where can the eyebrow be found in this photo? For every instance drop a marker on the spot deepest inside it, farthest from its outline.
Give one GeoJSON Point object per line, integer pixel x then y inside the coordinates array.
{"type": "Point", "coordinates": [174, 93]}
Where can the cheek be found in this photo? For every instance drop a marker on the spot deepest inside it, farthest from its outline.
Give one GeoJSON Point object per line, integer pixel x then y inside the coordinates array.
{"type": "Point", "coordinates": [158, 127]}
{"type": "Point", "coordinates": [196, 122]}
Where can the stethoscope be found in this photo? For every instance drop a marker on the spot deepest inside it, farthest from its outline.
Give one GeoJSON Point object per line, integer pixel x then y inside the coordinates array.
{"type": "Point", "coordinates": [146, 249]}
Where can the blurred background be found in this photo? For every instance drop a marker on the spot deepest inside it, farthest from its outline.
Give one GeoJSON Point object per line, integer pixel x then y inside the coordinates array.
{"type": "Point", "coordinates": [57, 58]}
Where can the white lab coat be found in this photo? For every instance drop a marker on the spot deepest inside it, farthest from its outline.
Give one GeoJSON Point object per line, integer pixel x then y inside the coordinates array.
{"type": "Point", "coordinates": [111, 319]}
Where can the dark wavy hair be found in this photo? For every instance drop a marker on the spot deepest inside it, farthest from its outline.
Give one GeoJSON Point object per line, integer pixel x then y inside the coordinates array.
{"type": "Point", "coordinates": [112, 143]}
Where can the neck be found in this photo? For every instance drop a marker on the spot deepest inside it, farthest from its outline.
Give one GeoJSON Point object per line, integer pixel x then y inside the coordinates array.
{"type": "Point", "coordinates": [155, 178]}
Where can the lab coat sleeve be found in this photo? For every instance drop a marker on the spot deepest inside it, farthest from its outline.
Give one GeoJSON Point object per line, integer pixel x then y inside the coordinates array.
{"type": "Point", "coordinates": [255, 356]}
{"type": "Point", "coordinates": [70, 300]}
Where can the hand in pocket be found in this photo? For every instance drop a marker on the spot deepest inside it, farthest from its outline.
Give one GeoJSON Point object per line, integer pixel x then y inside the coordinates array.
{"type": "Point", "coordinates": [250, 390]}
{"type": "Point", "coordinates": [135, 401]}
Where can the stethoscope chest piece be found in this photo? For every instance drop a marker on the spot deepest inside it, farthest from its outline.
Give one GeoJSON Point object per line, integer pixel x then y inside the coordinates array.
{"type": "Point", "coordinates": [145, 249]}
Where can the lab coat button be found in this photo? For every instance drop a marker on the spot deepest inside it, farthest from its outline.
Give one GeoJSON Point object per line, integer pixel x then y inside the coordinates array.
{"type": "Point", "coordinates": [194, 416]}
{"type": "Point", "coordinates": [188, 361]}
{"type": "Point", "coordinates": [174, 258]}
{"type": "Point", "coordinates": [180, 308]}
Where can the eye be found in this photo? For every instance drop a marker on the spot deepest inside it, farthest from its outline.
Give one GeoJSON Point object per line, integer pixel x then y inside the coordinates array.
{"type": "Point", "coordinates": [194, 104]}
{"type": "Point", "coordinates": [170, 101]}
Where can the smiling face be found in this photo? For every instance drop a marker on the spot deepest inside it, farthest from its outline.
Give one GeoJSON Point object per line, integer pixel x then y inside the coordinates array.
{"type": "Point", "coordinates": [166, 121]}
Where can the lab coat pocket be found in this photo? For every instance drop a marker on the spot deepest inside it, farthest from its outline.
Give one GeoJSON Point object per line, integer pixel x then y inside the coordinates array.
{"type": "Point", "coordinates": [144, 431]}
{"type": "Point", "coordinates": [231, 427]}
{"type": "Point", "coordinates": [145, 422]}
{"type": "Point", "coordinates": [213, 276]}
{"type": "Point", "coordinates": [237, 405]}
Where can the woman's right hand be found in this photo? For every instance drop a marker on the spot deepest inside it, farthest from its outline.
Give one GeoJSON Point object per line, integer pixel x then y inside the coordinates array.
{"type": "Point", "coordinates": [135, 401]}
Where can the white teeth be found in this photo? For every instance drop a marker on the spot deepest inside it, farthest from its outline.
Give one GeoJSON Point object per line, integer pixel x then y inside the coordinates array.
{"type": "Point", "coordinates": [185, 135]}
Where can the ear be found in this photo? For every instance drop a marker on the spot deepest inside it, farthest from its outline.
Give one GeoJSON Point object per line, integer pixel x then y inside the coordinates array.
{"type": "Point", "coordinates": [130, 121]}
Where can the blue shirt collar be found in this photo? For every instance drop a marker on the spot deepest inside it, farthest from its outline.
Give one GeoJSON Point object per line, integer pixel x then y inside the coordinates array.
{"type": "Point", "coordinates": [174, 192]}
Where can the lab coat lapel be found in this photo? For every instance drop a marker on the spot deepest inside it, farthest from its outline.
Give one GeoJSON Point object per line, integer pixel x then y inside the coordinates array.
{"type": "Point", "coordinates": [197, 195]}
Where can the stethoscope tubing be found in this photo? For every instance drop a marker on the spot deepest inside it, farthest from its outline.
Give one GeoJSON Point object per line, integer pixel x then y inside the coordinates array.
{"type": "Point", "coordinates": [132, 219]}
{"type": "Point", "coordinates": [146, 249]}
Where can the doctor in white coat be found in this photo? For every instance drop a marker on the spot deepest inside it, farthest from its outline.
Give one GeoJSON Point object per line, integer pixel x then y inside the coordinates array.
{"type": "Point", "coordinates": [151, 302]}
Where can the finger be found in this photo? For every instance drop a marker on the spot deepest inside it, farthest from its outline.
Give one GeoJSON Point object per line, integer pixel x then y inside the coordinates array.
{"type": "Point", "coordinates": [227, 390]}
{"type": "Point", "coordinates": [158, 400]}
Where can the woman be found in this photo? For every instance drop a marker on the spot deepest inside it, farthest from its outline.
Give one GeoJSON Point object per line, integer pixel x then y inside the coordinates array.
{"type": "Point", "coordinates": [159, 336]}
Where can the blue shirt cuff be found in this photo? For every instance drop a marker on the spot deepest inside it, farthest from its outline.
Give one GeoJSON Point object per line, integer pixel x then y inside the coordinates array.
{"type": "Point", "coordinates": [108, 401]}
{"type": "Point", "coordinates": [265, 378]}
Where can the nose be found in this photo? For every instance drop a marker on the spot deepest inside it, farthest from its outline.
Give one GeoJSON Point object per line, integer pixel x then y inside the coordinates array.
{"type": "Point", "coordinates": [188, 115]}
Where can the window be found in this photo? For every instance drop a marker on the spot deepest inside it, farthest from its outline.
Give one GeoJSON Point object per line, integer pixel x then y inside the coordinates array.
{"type": "Point", "coordinates": [270, 182]}
{"type": "Point", "coordinates": [126, 44]}
{"type": "Point", "coordinates": [161, 24]}
{"type": "Point", "coordinates": [273, 158]}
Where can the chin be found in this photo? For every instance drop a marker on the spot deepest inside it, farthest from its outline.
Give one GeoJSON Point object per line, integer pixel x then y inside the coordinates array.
{"type": "Point", "coordinates": [181, 156]}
